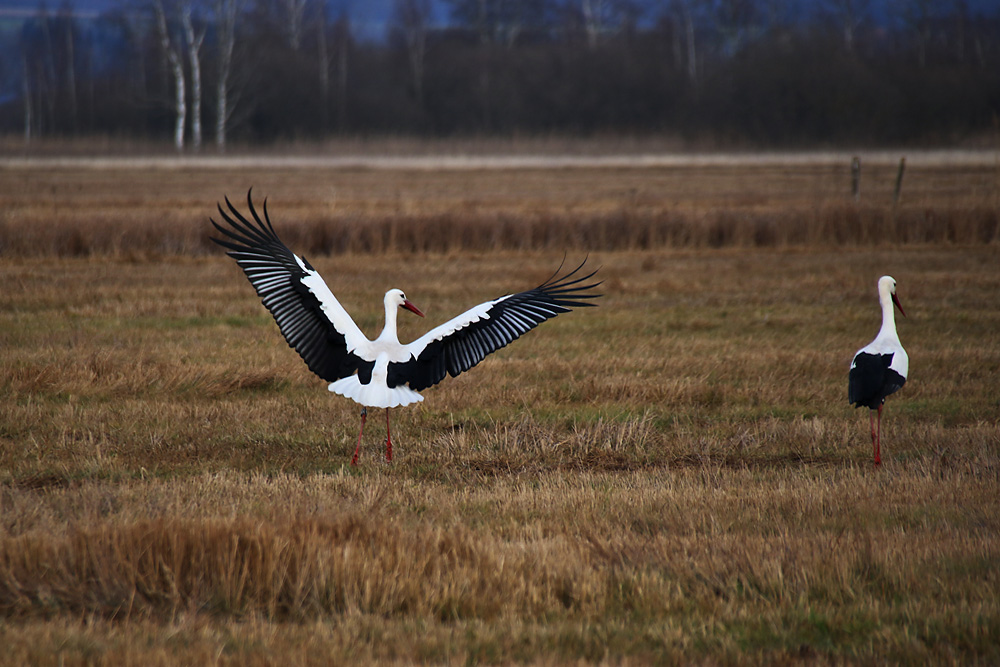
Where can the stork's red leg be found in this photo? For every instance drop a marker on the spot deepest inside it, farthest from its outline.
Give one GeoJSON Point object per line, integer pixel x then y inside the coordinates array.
{"type": "Point", "coordinates": [388, 438]}
{"type": "Point", "coordinates": [871, 423]}
{"type": "Point", "coordinates": [878, 439]}
{"type": "Point", "coordinates": [364, 415]}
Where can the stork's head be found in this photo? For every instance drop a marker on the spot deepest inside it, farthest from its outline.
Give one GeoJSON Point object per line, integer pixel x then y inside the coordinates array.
{"type": "Point", "coordinates": [395, 297]}
{"type": "Point", "coordinates": [887, 287]}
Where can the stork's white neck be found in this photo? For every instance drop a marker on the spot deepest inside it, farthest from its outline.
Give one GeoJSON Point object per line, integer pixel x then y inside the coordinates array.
{"type": "Point", "coordinates": [389, 330]}
{"type": "Point", "coordinates": [888, 329]}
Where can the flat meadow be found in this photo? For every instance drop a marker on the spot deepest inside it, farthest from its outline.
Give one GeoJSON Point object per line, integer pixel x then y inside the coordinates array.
{"type": "Point", "coordinates": [674, 476]}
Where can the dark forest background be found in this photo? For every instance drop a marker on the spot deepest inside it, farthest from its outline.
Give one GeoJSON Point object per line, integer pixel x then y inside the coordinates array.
{"type": "Point", "coordinates": [203, 73]}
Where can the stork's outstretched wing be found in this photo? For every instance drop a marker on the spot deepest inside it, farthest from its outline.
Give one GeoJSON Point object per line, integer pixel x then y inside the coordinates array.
{"type": "Point", "coordinates": [308, 314]}
{"type": "Point", "coordinates": [464, 341]}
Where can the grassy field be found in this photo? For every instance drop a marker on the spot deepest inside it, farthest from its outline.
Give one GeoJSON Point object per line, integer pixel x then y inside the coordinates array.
{"type": "Point", "coordinates": [674, 476]}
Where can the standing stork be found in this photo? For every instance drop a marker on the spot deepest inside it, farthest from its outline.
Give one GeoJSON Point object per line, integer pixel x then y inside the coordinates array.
{"type": "Point", "coordinates": [880, 367]}
{"type": "Point", "coordinates": [381, 373]}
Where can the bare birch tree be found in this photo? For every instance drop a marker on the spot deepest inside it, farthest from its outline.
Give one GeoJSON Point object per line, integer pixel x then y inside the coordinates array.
{"type": "Point", "coordinates": [295, 12]}
{"type": "Point", "coordinates": [172, 53]}
{"type": "Point", "coordinates": [65, 23]}
{"type": "Point", "coordinates": [684, 20]}
{"type": "Point", "coordinates": [194, 38]}
{"type": "Point", "coordinates": [604, 18]}
{"type": "Point", "coordinates": [596, 15]}
{"type": "Point", "coordinates": [226, 14]}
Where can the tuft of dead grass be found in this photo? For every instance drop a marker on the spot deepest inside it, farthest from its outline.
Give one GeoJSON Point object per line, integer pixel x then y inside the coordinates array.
{"type": "Point", "coordinates": [290, 569]}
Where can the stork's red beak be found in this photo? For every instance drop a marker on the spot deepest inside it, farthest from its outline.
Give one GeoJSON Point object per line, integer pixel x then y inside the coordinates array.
{"type": "Point", "coordinates": [413, 309]}
{"type": "Point", "coordinates": [896, 301]}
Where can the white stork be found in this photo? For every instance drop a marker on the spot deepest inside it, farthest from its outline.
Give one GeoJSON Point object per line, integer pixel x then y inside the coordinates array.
{"type": "Point", "coordinates": [381, 373]}
{"type": "Point", "coordinates": [880, 367]}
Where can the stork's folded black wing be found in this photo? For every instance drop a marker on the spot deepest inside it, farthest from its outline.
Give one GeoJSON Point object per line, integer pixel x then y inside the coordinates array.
{"type": "Point", "coordinates": [871, 380]}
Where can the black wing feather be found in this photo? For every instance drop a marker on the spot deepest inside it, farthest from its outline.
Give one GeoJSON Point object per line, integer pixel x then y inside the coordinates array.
{"type": "Point", "coordinates": [871, 380]}
{"type": "Point", "coordinates": [508, 320]}
{"type": "Point", "coordinates": [277, 278]}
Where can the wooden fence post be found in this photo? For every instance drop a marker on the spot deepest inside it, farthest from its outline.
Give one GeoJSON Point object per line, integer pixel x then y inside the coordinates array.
{"type": "Point", "coordinates": [856, 178]}
{"type": "Point", "coordinates": [899, 181]}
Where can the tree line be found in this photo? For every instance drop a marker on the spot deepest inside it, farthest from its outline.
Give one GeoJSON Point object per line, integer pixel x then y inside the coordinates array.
{"type": "Point", "coordinates": [750, 72]}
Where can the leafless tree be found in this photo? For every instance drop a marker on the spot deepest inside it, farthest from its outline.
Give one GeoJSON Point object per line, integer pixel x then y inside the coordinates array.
{"type": "Point", "coordinates": [683, 16]}
{"type": "Point", "coordinates": [499, 21]}
{"type": "Point", "coordinates": [295, 12]}
{"type": "Point", "coordinates": [496, 22]}
{"type": "Point", "coordinates": [323, 60]}
{"type": "Point", "coordinates": [850, 15]}
{"type": "Point", "coordinates": [343, 39]}
{"type": "Point", "coordinates": [916, 16]}
{"type": "Point", "coordinates": [29, 117]}
{"type": "Point", "coordinates": [227, 13]}
{"type": "Point", "coordinates": [137, 29]}
{"type": "Point", "coordinates": [960, 11]}
{"type": "Point", "coordinates": [194, 37]}
{"type": "Point", "coordinates": [601, 17]}
{"type": "Point", "coordinates": [737, 21]}
{"type": "Point", "coordinates": [66, 24]}
{"type": "Point", "coordinates": [172, 52]}
{"type": "Point", "coordinates": [47, 76]}
{"type": "Point", "coordinates": [411, 17]}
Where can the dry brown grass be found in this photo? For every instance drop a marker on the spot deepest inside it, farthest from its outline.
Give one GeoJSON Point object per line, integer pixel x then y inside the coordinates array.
{"type": "Point", "coordinates": [73, 211]}
{"type": "Point", "coordinates": [674, 476]}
